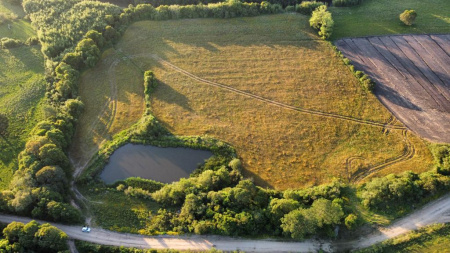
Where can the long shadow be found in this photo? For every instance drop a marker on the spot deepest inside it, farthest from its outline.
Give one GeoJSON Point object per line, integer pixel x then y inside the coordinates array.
{"type": "Point", "coordinates": [172, 96]}
{"type": "Point", "coordinates": [243, 32]}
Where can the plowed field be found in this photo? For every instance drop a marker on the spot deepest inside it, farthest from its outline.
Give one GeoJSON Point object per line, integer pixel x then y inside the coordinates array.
{"type": "Point", "coordinates": [412, 75]}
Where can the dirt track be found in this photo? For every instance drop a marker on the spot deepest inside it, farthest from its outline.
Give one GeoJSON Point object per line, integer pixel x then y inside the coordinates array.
{"type": "Point", "coordinates": [437, 211]}
{"type": "Point", "coordinates": [412, 73]}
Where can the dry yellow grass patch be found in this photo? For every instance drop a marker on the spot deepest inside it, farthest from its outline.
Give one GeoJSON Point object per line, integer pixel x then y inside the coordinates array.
{"type": "Point", "coordinates": [275, 57]}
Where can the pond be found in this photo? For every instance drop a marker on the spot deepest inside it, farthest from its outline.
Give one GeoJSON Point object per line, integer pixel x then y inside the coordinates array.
{"type": "Point", "coordinates": [160, 164]}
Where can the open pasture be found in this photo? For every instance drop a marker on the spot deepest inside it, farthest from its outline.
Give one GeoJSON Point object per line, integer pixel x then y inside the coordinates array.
{"type": "Point", "coordinates": [18, 28]}
{"type": "Point", "coordinates": [22, 87]}
{"type": "Point", "coordinates": [381, 17]}
{"type": "Point", "coordinates": [413, 78]}
{"type": "Point", "coordinates": [267, 85]}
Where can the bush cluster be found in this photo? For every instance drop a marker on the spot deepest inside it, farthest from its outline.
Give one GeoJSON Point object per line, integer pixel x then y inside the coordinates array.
{"type": "Point", "coordinates": [322, 21]}
{"type": "Point", "coordinates": [61, 24]}
{"type": "Point", "coordinates": [397, 192]}
{"type": "Point", "coordinates": [345, 3]}
{"type": "Point", "coordinates": [307, 7]}
{"type": "Point", "coordinates": [441, 155]}
{"type": "Point", "coordinates": [5, 17]}
{"type": "Point", "coordinates": [7, 43]}
{"type": "Point", "coordinates": [219, 201]}
{"type": "Point", "coordinates": [32, 237]}
{"type": "Point", "coordinates": [408, 17]}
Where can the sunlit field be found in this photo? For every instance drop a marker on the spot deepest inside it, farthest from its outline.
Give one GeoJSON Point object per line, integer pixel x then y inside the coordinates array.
{"type": "Point", "coordinates": [275, 57]}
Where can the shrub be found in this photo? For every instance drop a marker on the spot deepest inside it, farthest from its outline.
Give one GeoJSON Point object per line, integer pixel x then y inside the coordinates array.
{"type": "Point", "coordinates": [441, 155]}
{"type": "Point", "coordinates": [322, 21]}
{"type": "Point", "coordinates": [7, 43]}
{"type": "Point", "coordinates": [351, 221]}
{"type": "Point", "coordinates": [408, 17]}
{"type": "Point", "coordinates": [307, 7]}
{"type": "Point", "coordinates": [32, 41]}
{"type": "Point", "coordinates": [345, 3]}
{"type": "Point", "coordinates": [4, 17]}
{"type": "Point", "coordinates": [290, 8]}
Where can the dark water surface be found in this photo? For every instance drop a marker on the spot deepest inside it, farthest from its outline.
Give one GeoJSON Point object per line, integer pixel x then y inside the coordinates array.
{"type": "Point", "coordinates": [161, 164]}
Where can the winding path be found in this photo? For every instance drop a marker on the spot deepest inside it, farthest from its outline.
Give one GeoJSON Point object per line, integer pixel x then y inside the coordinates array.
{"type": "Point", "coordinates": [437, 211]}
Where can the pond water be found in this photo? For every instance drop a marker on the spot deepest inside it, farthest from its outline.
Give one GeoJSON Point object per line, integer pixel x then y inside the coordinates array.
{"type": "Point", "coordinates": [160, 164]}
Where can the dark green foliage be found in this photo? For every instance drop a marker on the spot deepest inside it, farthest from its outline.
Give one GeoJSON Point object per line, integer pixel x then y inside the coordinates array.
{"type": "Point", "coordinates": [32, 41]}
{"type": "Point", "coordinates": [309, 195]}
{"type": "Point", "coordinates": [345, 3]}
{"type": "Point", "coordinates": [323, 215]}
{"type": "Point", "coordinates": [307, 7]}
{"type": "Point", "coordinates": [53, 19]}
{"type": "Point", "coordinates": [33, 237]}
{"type": "Point", "coordinates": [441, 155]}
{"type": "Point", "coordinates": [4, 123]}
{"type": "Point", "coordinates": [351, 221]}
{"type": "Point", "coordinates": [137, 182]}
{"type": "Point", "coordinates": [408, 17]}
{"type": "Point", "coordinates": [394, 193]}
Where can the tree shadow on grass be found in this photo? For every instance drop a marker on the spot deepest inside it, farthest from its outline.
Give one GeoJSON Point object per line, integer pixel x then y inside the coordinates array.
{"type": "Point", "coordinates": [172, 96]}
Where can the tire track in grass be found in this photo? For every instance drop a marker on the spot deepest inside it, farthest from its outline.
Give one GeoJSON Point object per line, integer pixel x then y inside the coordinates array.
{"type": "Point", "coordinates": [105, 117]}
{"type": "Point", "coordinates": [408, 152]}
{"type": "Point", "coordinates": [272, 102]}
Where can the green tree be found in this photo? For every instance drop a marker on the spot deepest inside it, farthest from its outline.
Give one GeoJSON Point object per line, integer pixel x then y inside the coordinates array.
{"type": "Point", "coordinates": [326, 212]}
{"type": "Point", "coordinates": [27, 239]}
{"type": "Point", "coordinates": [408, 17]}
{"type": "Point", "coordinates": [322, 21]}
{"type": "Point", "coordinates": [299, 223]}
{"type": "Point", "coordinates": [13, 231]}
{"type": "Point", "coordinates": [51, 239]}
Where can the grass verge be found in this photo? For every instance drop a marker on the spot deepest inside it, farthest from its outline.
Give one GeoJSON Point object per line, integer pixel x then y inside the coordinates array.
{"type": "Point", "coordinates": [435, 238]}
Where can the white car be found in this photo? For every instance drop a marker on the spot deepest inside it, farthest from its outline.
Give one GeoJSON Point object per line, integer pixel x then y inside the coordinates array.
{"type": "Point", "coordinates": [86, 229]}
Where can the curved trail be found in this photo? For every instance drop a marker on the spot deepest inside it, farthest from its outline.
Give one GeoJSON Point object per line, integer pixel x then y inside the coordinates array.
{"type": "Point", "coordinates": [407, 154]}
{"type": "Point", "coordinates": [437, 211]}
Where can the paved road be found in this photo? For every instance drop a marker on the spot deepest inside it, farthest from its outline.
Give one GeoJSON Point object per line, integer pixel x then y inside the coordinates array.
{"type": "Point", "coordinates": [437, 211]}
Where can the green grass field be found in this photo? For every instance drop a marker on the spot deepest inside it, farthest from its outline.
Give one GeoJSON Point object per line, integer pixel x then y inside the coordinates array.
{"type": "Point", "coordinates": [19, 28]}
{"type": "Point", "coordinates": [432, 239]}
{"type": "Point", "coordinates": [22, 87]}
{"type": "Point", "coordinates": [277, 57]}
{"type": "Point", "coordinates": [114, 210]}
{"type": "Point", "coordinates": [381, 17]}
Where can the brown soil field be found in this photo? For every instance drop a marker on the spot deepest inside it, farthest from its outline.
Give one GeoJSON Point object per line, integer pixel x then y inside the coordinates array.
{"type": "Point", "coordinates": [412, 75]}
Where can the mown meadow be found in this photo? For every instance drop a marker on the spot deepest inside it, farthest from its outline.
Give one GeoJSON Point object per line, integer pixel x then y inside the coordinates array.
{"type": "Point", "coordinates": [277, 57]}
